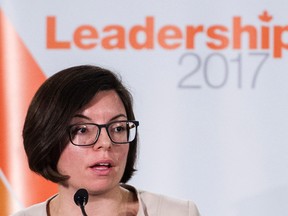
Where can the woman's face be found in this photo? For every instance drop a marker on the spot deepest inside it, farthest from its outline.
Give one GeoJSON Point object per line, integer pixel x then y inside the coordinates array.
{"type": "Point", "coordinates": [100, 167]}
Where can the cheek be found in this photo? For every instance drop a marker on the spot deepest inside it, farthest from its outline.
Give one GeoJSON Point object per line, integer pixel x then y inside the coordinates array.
{"type": "Point", "coordinates": [122, 154]}
{"type": "Point", "coordinates": [68, 160]}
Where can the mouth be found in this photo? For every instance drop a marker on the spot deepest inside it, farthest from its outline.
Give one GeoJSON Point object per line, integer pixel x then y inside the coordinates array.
{"type": "Point", "coordinates": [102, 166]}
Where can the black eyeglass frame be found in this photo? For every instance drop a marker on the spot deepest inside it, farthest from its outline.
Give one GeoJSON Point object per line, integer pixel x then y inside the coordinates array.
{"type": "Point", "coordinates": [106, 126]}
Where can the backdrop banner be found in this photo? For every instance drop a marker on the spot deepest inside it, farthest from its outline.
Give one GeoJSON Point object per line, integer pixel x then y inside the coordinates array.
{"type": "Point", "coordinates": [209, 81]}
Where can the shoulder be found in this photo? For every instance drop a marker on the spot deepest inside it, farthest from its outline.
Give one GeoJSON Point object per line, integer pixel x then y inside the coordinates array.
{"type": "Point", "coordinates": [164, 205]}
{"type": "Point", "coordinates": [38, 209]}
{"type": "Point", "coordinates": [157, 204]}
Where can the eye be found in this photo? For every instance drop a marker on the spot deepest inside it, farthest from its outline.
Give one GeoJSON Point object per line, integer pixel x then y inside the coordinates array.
{"type": "Point", "coordinates": [118, 127]}
{"type": "Point", "coordinates": [82, 130]}
{"type": "Point", "coordinates": [79, 129]}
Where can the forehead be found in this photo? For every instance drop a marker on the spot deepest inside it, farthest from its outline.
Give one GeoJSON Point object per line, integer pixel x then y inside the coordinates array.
{"type": "Point", "coordinates": [104, 102]}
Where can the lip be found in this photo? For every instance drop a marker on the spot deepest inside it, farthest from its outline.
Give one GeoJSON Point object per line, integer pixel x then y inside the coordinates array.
{"type": "Point", "coordinates": [102, 167]}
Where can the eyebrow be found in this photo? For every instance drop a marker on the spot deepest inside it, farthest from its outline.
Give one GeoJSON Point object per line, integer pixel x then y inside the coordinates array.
{"type": "Point", "coordinates": [87, 118]}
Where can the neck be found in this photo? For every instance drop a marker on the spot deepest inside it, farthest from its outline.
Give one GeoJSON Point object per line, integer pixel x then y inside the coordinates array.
{"type": "Point", "coordinates": [117, 200]}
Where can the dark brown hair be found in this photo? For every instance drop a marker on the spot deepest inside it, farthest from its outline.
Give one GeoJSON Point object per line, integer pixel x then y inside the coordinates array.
{"type": "Point", "coordinates": [52, 108]}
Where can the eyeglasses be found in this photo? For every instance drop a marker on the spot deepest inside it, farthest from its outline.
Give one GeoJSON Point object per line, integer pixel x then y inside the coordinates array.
{"type": "Point", "coordinates": [87, 134]}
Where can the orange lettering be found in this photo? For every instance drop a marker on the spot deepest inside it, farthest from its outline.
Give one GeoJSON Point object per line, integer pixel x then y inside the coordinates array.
{"type": "Point", "coordinates": [116, 40]}
{"type": "Point", "coordinates": [238, 30]}
{"type": "Point", "coordinates": [171, 37]}
{"type": "Point", "coordinates": [191, 32]}
{"type": "Point", "coordinates": [265, 38]}
{"type": "Point", "coordinates": [85, 32]}
{"type": "Point", "coordinates": [278, 41]}
{"type": "Point", "coordinates": [147, 31]}
{"type": "Point", "coordinates": [51, 42]}
{"type": "Point", "coordinates": [168, 33]}
{"type": "Point", "coordinates": [212, 33]}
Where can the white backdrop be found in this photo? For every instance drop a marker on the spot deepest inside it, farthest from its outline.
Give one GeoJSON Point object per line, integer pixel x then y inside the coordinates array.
{"type": "Point", "coordinates": [213, 122]}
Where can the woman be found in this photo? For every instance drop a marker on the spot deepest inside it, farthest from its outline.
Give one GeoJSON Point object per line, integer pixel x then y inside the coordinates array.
{"type": "Point", "coordinates": [80, 132]}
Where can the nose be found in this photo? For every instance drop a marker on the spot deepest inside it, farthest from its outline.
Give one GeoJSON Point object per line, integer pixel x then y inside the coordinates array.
{"type": "Point", "coordinates": [103, 141]}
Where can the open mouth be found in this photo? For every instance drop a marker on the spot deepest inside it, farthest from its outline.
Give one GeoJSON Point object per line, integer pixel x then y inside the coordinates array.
{"type": "Point", "coordinates": [102, 166]}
